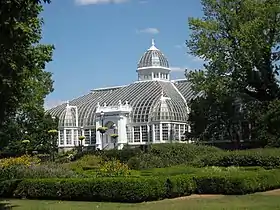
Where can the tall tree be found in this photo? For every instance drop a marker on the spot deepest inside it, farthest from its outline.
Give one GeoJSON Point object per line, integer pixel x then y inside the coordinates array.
{"type": "Point", "coordinates": [239, 40]}
{"type": "Point", "coordinates": [22, 58]}
{"type": "Point", "coordinates": [24, 83]}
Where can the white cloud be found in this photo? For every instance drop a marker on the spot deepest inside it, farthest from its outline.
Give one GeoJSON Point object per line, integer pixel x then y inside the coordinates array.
{"type": "Point", "coordinates": [177, 69]}
{"type": "Point", "coordinates": [180, 46]}
{"type": "Point", "coordinates": [148, 31]}
{"type": "Point", "coordinates": [88, 2]}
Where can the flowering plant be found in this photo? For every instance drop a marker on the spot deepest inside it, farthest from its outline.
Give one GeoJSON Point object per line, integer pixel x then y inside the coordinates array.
{"type": "Point", "coordinates": [102, 129]}
{"type": "Point", "coordinates": [81, 138]}
{"type": "Point", "coordinates": [24, 160]}
{"type": "Point", "coordinates": [113, 168]}
{"type": "Point", "coordinates": [114, 136]}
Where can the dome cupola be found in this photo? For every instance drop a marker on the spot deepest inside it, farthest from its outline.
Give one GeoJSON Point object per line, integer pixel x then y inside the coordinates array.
{"type": "Point", "coordinates": [153, 57]}
{"type": "Point", "coordinates": [153, 65]}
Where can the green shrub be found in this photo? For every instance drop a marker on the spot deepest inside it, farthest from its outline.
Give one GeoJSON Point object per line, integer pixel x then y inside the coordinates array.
{"type": "Point", "coordinates": [36, 171]}
{"type": "Point", "coordinates": [123, 155]}
{"type": "Point", "coordinates": [11, 172]}
{"type": "Point", "coordinates": [181, 185]}
{"type": "Point", "coordinates": [268, 158]}
{"type": "Point", "coordinates": [139, 189]}
{"type": "Point", "coordinates": [145, 161]}
{"type": "Point", "coordinates": [99, 189]}
{"type": "Point", "coordinates": [237, 183]}
{"type": "Point", "coordinates": [170, 171]}
{"type": "Point", "coordinates": [177, 153]}
{"type": "Point", "coordinates": [8, 187]}
{"type": "Point", "coordinates": [87, 162]}
{"type": "Point", "coordinates": [165, 155]}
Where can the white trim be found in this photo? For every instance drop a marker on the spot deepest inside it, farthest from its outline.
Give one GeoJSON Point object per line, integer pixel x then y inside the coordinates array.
{"type": "Point", "coordinates": [179, 80]}
{"type": "Point", "coordinates": [109, 88]}
{"type": "Point", "coordinates": [153, 67]}
{"type": "Point", "coordinates": [181, 96]}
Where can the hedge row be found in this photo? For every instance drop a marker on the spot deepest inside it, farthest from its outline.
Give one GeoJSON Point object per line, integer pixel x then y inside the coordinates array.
{"type": "Point", "coordinates": [165, 155]}
{"type": "Point", "coordinates": [267, 158]}
{"type": "Point", "coordinates": [142, 188]}
{"type": "Point", "coordinates": [123, 155]}
{"type": "Point", "coordinates": [159, 155]}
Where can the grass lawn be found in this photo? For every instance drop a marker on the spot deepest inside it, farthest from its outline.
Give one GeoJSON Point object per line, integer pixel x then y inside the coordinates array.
{"type": "Point", "coordinates": [261, 201]}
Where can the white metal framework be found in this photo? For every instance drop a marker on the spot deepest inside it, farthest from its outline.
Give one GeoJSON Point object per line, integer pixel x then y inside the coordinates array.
{"type": "Point", "coordinates": [150, 110]}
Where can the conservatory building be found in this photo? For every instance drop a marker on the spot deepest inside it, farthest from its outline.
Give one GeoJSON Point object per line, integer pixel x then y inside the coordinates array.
{"type": "Point", "coordinates": [153, 109]}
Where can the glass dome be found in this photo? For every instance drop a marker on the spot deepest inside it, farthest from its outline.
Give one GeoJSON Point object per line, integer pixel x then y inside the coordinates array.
{"type": "Point", "coordinates": [68, 117]}
{"type": "Point", "coordinates": [153, 57]}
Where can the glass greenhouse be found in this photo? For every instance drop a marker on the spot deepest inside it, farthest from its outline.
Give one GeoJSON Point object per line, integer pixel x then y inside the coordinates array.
{"type": "Point", "coordinates": [153, 109]}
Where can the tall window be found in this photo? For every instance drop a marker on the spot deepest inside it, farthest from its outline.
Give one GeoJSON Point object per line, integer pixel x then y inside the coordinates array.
{"type": "Point", "coordinates": [165, 132]}
{"type": "Point", "coordinates": [75, 137]}
{"type": "Point", "coordinates": [61, 136]}
{"type": "Point", "coordinates": [157, 133]}
{"type": "Point", "coordinates": [87, 140]}
{"type": "Point", "coordinates": [68, 137]}
{"type": "Point", "coordinates": [136, 134]}
{"type": "Point", "coordinates": [176, 133]}
{"type": "Point", "coordinates": [92, 136]}
{"type": "Point", "coordinates": [182, 132]}
{"type": "Point", "coordinates": [129, 134]}
{"type": "Point", "coordinates": [144, 133]}
{"type": "Point", "coordinates": [151, 134]}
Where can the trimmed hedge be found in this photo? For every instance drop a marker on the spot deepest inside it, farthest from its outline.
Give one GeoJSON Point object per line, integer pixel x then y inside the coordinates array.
{"type": "Point", "coordinates": [123, 155]}
{"type": "Point", "coordinates": [141, 189]}
{"type": "Point", "coordinates": [165, 155]}
{"type": "Point", "coordinates": [100, 189]}
{"type": "Point", "coordinates": [237, 183]}
{"type": "Point", "coordinates": [268, 158]}
{"type": "Point", "coordinates": [8, 187]}
{"type": "Point", "coordinates": [181, 185]}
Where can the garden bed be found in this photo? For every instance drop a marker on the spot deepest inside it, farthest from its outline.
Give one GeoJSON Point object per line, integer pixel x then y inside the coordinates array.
{"type": "Point", "coordinates": [139, 189]}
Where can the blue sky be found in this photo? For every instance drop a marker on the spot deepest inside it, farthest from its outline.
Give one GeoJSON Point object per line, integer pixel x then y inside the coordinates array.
{"type": "Point", "coordinates": [99, 42]}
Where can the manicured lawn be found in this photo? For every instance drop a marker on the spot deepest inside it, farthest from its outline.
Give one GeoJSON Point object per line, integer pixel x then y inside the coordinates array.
{"type": "Point", "coordinates": [267, 201]}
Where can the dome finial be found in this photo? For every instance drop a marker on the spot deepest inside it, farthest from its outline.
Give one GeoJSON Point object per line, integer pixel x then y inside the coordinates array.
{"type": "Point", "coordinates": [153, 42]}
{"type": "Point", "coordinates": [153, 47]}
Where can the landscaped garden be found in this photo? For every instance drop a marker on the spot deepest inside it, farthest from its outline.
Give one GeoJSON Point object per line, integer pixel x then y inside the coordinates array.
{"type": "Point", "coordinates": [164, 171]}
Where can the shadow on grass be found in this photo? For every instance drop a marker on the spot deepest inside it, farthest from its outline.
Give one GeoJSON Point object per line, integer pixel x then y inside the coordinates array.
{"type": "Point", "coordinates": [6, 206]}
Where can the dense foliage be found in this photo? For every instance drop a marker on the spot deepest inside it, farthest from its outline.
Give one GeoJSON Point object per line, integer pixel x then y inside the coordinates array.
{"type": "Point", "coordinates": [101, 178]}
{"type": "Point", "coordinates": [24, 83]}
{"type": "Point", "coordinates": [241, 54]}
{"type": "Point", "coordinates": [164, 155]}
{"type": "Point", "coordinates": [268, 158]}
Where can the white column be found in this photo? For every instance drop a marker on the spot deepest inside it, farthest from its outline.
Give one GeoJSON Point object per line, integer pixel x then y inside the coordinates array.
{"type": "Point", "coordinates": [153, 134]}
{"type": "Point", "coordinates": [64, 134]}
{"type": "Point", "coordinates": [122, 130]}
{"type": "Point", "coordinates": [59, 138]}
{"type": "Point", "coordinates": [149, 135]}
{"type": "Point", "coordinates": [98, 136]}
{"type": "Point", "coordinates": [132, 133]}
{"type": "Point", "coordinates": [89, 136]}
{"type": "Point", "coordinates": [169, 131]}
{"type": "Point", "coordinates": [140, 134]}
{"type": "Point", "coordinates": [160, 132]}
{"type": "Point", "coordinates": [72, 137]}
{"type": "Point", "coordinates": [179, 134]}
